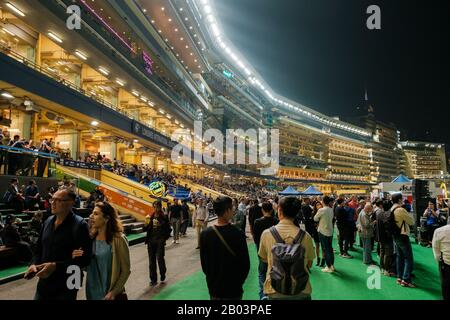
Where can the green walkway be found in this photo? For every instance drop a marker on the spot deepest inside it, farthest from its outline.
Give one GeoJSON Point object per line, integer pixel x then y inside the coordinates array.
{"type": "Point", "coordinates": [348, 283]}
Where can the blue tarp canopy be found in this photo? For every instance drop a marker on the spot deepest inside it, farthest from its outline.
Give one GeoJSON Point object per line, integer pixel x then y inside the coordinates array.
{"type": "Point", "coordinates": [401, 179]}
{"type": "Point", "coordinates": [312, 191]}
{"type": "Point", "coordinates": [290, 191]}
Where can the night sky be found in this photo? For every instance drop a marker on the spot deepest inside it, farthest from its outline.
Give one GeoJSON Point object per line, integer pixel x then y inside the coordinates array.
{"type": "Point", "coordinates": [321, 54]}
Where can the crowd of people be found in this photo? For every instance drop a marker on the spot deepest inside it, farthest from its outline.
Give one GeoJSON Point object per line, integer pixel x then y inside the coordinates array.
{"type": "Point", "coordinates": [277, 225]}
{"type": "Point", "coordinates": [383, 227]}
{"type": "Point", "coordinates": [16, 233]}
{"type": "Point", "coordinates": [304, 228]}
{"type": "Point", "coordinates": [234, 186]}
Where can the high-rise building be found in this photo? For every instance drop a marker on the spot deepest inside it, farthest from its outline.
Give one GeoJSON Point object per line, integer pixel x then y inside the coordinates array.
{"type": "Point", "coordinates": [384, 151]}
{"type": "Point", "coordinates": [425, 160]}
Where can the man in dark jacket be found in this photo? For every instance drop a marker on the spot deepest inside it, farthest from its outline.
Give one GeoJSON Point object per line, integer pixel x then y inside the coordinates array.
{"type": "Point", "coordinates": [224, 254]}
{"type": "Point", "coordinates": [268, 220]}
{"type": "Point", "coordinates": [185, 217]}
{"type": "Point", "coordinates": [387, 256]}
{"type": "Point", "coordinates": [254, 213]}
{"type": "Point", "coordinates": [342, 222]}
{"type": "Point", "coordinates": [52, 262]}
{"type": "Point", "coordinates": [158, 231]}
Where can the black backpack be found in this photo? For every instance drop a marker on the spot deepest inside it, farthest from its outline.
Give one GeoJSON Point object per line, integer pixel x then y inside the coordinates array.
{"type": "Point", "coordinates": [288, 275]}
{"type": "Point", "coordinates": [391, 226]}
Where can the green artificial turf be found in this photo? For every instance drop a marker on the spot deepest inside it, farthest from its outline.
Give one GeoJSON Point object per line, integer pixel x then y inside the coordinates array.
{"type": "Point", "coordinates": [349, 282]}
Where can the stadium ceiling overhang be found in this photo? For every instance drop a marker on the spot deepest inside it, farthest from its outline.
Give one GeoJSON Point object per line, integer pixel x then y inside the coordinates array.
{"type": "Point", "coordinates": [205, 10]}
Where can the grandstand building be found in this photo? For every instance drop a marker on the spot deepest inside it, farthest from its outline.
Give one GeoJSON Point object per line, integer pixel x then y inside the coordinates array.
{"type": "Point", "coordinates": [136, 71]}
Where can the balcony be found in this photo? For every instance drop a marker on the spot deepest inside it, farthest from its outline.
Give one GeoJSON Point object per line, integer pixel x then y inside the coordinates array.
{"type": "Point", "coordinates": [100, 36]}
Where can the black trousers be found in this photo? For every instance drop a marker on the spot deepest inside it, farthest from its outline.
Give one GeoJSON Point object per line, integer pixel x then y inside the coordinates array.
{"type": "Point", "coordinates": [344, 240]}
{"type": "Point", "coordinates": [445, 280]}
{"type": "Point", "coordinates": [156, 251]}
{"type": "Point", "coordinates": [387, 256]}
{"type": "Point", "coordinates": [184, 226]}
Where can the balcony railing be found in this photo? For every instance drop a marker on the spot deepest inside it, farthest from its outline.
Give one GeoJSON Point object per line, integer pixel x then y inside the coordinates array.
{"type": "Point", "coordinates": [58, 78]}
{"type": "Point", "coordinates": [133, 57]}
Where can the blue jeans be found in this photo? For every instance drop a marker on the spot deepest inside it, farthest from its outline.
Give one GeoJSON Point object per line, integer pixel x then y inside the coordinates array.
{"type": "Point", "coordinates": [327, 247]}
{"type": "Point", "coordinates": [367, 245]}
{"type": "Point", "coordinates": [405, 260]}
{"type": "Point", "coordinates": [262, 270]}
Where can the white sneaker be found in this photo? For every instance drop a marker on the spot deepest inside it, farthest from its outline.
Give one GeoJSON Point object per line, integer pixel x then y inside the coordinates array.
{"type": "Point", "coordinates": [328, 270]}
{"type": "Point", "coordinates": [177, 242]}
{"type": "Point", "coordinates": [174, 241]}
{"type": "Point", "coordinates": [333, 269]}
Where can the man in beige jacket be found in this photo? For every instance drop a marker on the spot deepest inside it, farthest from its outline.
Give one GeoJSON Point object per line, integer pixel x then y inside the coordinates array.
{"type": "Point", "coordinates": [200, 219]}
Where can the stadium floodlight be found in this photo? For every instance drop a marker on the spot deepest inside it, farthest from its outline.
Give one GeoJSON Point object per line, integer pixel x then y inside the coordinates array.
{"type": "Point", "coordinates": [81, 55]}
{"type": "Point", "coordinates": [104, 71]}
{"type": "Point", "coordinates": [54, 37]}
{"type": "Point", "coordinates": [7, 95]}
{"type": "Point", "coordinates": [15, 9]}
{"type": "Point", "coordinates": [207, 9]}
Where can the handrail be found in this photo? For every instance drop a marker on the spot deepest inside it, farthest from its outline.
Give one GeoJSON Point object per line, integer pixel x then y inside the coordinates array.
{"type": "Point", "coordinates": [136, 61]}
{"type": "Point", "coordinates": [56, 77]}
{"type": "Point", "coordinates": [28, 151]}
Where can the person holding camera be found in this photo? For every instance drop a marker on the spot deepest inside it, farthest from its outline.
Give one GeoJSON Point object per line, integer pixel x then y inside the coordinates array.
{"type": "Point", "coordinates": [42, 160]}
{"type": "Point", "coordinates": [432, 221]}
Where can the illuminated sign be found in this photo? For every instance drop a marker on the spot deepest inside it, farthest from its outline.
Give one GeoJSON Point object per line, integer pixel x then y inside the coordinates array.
{"type": "Point", "coordinates": [157, 189]}
{"type": "Point", "coordinates": [148, 63]}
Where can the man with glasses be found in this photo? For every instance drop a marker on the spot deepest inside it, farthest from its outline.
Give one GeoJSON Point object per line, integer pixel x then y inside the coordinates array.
{"type": "Point", "coordinates": [61, 234]}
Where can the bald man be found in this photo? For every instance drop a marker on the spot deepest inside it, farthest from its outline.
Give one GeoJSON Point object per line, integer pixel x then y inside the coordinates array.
{"type": "Point", "coordinates": [52, 262]}
{"type": "Point", "coordinates": [366, 232]}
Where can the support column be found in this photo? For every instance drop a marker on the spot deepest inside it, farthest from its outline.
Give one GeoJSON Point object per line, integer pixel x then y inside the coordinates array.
{"type": "Point", "coordinates": [26, 126]}
{"type": "Point", "coordinates": [74, 144]}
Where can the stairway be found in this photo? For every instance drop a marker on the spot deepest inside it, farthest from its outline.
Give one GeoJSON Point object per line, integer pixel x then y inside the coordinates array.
{"type": "Point", "coordinates": [130, 225]}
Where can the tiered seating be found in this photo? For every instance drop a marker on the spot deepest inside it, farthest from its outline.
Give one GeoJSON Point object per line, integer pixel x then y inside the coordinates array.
{"type": "Point", "coordinates": [178, 192]}
{"type": "Point", "coordinates": [129, 223]}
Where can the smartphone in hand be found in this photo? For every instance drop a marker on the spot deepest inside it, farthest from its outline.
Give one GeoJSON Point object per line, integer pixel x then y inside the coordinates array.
{"type": "Point", "coordinates": [30, 275]}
